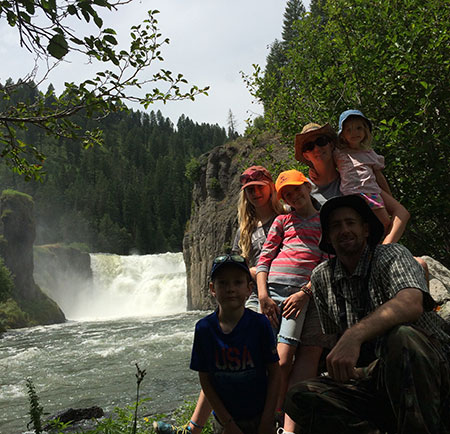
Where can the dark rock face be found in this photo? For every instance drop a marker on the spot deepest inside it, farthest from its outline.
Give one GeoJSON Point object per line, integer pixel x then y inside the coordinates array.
{"type": "Point", "coordinates": [16, 247]}
{"type": "Point", "coordinates": [19, 231]}
{"type": "Point", "coordinates": [215, 195]}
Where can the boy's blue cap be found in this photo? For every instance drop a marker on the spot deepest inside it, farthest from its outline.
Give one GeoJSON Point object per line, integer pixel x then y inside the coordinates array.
{"type": "Point", "coordinates": [226, 259]}
{"type": "Point", "coordinates": [344, 115]}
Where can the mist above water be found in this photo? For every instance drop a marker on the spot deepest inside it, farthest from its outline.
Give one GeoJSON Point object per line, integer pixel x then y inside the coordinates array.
{"type": "Point", "coordinates": [123, 287]}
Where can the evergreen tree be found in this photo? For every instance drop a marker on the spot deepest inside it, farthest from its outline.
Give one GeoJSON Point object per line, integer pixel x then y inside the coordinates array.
{"type": "Point", "coordinates": [390, 63]}
{"type": "Point", "coordinates": [293, 13]}
{"type": "Point", "coordinates": [232, 125]}
{"type": "Point", "coordinates": [130, 194]}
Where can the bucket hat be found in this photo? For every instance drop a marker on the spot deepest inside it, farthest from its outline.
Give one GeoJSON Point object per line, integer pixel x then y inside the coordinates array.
{"type": "Point", "coordinates": [309, 133]}
{"type": "Point", "coordinates": [376, 228]}
{"type": "Point", "coordinates": [344, 115]}
{"type": "Point", "coordinates": [289, 177]}
{"type": "Point", "coordinates": [255, 175]}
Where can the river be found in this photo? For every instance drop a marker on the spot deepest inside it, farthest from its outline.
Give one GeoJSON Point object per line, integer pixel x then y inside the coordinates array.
{"type": "Point", "coordinates": [134, 312]}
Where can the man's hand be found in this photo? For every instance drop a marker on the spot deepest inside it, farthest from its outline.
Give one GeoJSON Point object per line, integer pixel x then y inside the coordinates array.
{"type": "Point", "coordinates": [294, 304]}
{"type": "Point", "coordinates": [341, 361]}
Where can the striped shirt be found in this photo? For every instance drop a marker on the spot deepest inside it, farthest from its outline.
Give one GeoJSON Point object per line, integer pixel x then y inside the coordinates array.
{"type": "Point", "coordinates": [291, 250]}
{"type": "Point", "coordinates": [393, 269]}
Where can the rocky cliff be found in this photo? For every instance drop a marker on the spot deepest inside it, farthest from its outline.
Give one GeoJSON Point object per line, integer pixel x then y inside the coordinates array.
{"type": "Point", "coordinates": [213, 222]}
{"type": "Point", "coordinates": [30, 305]}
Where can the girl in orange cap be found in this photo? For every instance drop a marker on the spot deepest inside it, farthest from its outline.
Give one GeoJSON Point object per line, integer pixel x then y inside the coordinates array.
{"type": "Point", "coordinates": [289, 255]}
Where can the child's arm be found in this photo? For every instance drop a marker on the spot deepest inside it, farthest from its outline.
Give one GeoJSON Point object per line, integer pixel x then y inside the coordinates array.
{"type": "Point", "coordinates": [269, 251]}
{"type": "Point", "coordinates": [268, 306]}
{"type": "Point", "coordinates": [382, 181]}
{"type": "Point", "coordinates": [225, 418]}
{"type": "Point", "coordinates": [267, 425]}
{"type": "Point", "coordinates": [399, 216]}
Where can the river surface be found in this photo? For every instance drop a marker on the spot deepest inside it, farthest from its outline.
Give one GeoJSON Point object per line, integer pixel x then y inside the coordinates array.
{"type": "Point", "coordinates": [90, 360]}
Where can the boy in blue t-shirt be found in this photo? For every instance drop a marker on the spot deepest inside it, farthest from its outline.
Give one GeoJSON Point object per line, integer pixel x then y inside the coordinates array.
{"type": "Point", "coordinates": [235, 354]}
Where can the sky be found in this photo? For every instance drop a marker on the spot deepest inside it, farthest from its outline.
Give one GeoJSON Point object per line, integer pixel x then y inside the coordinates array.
{"type": "Point", "coordinates": [211, 41]}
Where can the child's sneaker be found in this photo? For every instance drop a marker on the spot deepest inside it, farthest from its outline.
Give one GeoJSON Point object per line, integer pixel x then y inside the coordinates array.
{"type": "Point", "coordinates": [166, 428]}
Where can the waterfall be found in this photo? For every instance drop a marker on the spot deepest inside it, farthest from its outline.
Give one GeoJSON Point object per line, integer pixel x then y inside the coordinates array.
{"type": "Point", "coordinates": [126, 286]}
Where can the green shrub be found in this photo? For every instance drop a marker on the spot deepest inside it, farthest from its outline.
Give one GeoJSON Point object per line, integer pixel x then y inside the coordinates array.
{"type": "Point", "coordinates": [12, 316]}
{"type": "Point", "coordinates": [6, 282]}
{"type": "Point", "coordinates": [193, 170]}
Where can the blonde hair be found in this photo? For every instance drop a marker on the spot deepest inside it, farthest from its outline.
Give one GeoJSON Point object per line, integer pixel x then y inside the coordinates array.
{"type": "Point", "coordinates": [366, 143]}
{"type": "Point", "coordinates": [248, 220]}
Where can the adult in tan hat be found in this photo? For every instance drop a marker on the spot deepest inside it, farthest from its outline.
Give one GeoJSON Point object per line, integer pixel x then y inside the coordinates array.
{"type": "Point", "coordinates": [314, 146]}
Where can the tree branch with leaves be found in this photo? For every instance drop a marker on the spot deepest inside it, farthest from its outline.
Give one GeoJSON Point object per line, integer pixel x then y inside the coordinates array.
{"type": "Point", "coordinates": [119, 81]}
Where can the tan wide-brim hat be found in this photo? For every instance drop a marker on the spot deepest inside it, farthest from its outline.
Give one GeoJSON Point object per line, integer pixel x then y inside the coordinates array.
{"type": "Point", "coordinates": [309, 133]}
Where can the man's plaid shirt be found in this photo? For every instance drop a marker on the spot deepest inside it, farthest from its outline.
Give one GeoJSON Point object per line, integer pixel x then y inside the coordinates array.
{"type": "Point", "coordinates": [393, 269]}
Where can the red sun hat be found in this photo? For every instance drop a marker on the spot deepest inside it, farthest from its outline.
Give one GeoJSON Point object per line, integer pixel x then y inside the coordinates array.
{"type": "Point", "coordinates": [255, 175]}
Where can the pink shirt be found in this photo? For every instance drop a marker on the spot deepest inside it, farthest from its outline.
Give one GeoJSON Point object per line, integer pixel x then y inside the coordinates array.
{"type": "Point", "coordinates": [291, 250]}
{"type": "Point", "coordinates": [356, 168]}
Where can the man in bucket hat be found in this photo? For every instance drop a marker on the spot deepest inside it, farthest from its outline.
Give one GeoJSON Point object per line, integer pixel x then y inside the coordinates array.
{"type": "Point", "coordinates": [389, 370]}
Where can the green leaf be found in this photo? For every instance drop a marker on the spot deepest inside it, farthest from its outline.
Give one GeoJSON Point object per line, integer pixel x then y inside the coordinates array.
{"type": "Point", "coordinates": [98, 21]}
{"type": "Point", "coordinates": [111, 39]}
{"type": "Point", "coordinates": [72, 10]}
{"type": "Point", "coordinates": [57, 46]}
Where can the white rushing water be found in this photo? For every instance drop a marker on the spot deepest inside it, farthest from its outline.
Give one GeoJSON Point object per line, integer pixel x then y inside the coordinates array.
{"type": "Point", "coordinates": [135, 311]}
{"type": "Point", "coordinates": [125, 286]}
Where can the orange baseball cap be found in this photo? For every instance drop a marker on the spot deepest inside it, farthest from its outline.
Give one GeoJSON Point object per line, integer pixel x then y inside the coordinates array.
{"type": "Point", "coordinates": [289, 177]}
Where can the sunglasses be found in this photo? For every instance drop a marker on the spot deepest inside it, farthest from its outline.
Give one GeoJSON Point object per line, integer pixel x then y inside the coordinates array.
{"type": "Point", "coordinates": [257, 175]}
{"type": "Point", "coordinates": [229, 258]}
{"type": "Point", "coordinates": [320, 141]}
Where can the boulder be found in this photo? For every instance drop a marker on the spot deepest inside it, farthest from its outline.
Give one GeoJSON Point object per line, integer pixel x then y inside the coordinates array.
{"type": "Point", "coordinates": [439, 286]}
{"type": "Point", "coordinates": [75, 416]}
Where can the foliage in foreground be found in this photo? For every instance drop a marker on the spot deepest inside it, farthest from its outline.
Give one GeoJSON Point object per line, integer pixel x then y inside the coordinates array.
{"type": "Point", "coordinates": [123, 420]}
{"type": "Point", "coordinates": [391, 60]}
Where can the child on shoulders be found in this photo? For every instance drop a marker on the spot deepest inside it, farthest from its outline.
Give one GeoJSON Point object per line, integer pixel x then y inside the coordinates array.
{"type": "Point", "coordinates": [235, 353]}
{"type": "Point", "coordinates": [360, 168]}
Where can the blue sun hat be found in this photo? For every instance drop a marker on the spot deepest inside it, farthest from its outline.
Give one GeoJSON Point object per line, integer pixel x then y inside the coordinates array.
{"type": "Point", "coordinates": [344, 115]}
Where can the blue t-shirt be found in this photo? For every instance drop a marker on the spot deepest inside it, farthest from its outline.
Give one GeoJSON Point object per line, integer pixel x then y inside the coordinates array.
{"type": "Point", "coordinates": [236, 361]}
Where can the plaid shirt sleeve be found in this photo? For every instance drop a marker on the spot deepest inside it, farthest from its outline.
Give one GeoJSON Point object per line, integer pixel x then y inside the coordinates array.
{"type": "Point", "coordinates": [395, 269]}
